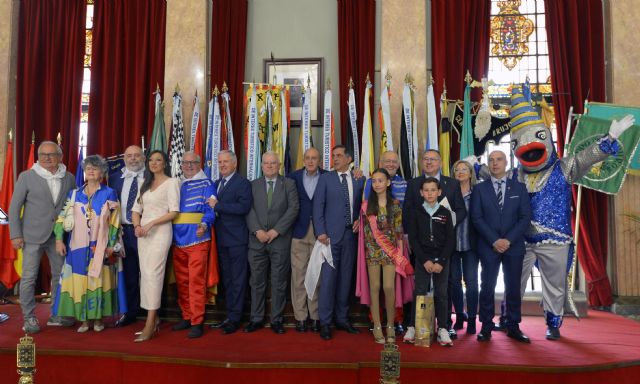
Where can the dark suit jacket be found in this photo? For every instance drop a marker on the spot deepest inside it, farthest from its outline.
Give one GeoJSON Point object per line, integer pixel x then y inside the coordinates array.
{"type": "Point", "coordinates": [413, 200]}
{"type": "Point", "coordinates": [280, 216]}
{"type": "Point", "coordinates": [492, 224]}
{"type": "Point", "coordinates": [329, 208]}
{"type": "Point", "coordinates": [234, 202]}
{"type": "Point", "coordinates": [437, 248]}
{"type": "Point", "coordinates": [305, 212]}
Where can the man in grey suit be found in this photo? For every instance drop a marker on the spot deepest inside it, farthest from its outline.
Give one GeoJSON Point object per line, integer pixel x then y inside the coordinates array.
{"type": "Point", "coordinates": [270, 221]}
{"type": "Point", "coordinates": [42, 191]}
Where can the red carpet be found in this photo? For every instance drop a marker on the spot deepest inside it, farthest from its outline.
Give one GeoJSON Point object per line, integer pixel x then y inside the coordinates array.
{"type": "Point", "coordinates": [600, 347]}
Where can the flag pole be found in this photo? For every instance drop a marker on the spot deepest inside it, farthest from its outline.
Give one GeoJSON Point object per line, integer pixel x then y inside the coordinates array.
{"type": "Point", "coordinates": [571, 277]}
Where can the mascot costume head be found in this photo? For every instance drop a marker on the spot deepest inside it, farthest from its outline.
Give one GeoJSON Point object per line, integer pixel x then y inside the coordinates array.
{"type": "Point", "coordinates": [531, 140]}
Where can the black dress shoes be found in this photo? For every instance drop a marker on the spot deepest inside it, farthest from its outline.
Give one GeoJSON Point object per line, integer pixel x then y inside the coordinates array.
{"type": "Point", "coordinates": [301, 326]}
{"type": "Point", "coordinates": [347, 327]}
{"type": "Point", "coordinates": [230, 327]}
{"type": "Point", "coordinates": [182, 325]}
{"type": "Point", "coordinates": [471, 326]}
{"type": "Point", "coordinates": [484, 335]}
{"type": "Point", "coordinates": [315, 326]}
{"type": "Point", "coordinates": [501, 326]}
{"type": "Point", "coordinates": [196, 331]}
{"type": "Point", "coordinates": [277, 327]}
{"type": "Point", "coordinates": [220, 324]}
{"type": "Point", "coordinates": [453, 334]}
{"type": "Point", "coordinates": [516, 334]}
{"type": "Point", "coordinates": [253, 326]}
{"type": "Point", "coordinates": [553, 333]}
{"type": "Point", "coordinates": [325, 332]}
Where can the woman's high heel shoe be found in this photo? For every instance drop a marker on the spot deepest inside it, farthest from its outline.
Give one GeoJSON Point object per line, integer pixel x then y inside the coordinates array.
{"type": "Point", "coordinates": [377, 334]}
{"type": "Point", "coordinates": [155, 329]}
{"type": "Point", "coordinates": [141, 337]}
{"type": "Point", "coordinates": [391, 334]}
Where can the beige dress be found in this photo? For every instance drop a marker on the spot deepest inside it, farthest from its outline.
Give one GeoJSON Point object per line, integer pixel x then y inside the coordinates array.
{"type": "Point", "coordinates": [153, 249]}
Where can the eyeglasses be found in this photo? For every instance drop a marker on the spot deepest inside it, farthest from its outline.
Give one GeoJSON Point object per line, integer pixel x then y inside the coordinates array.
{"type": "Point", "coordinates": [190, 163]}
{"type": "Point", "coordinates": [461, 170]}
{"type": "Point", "coordinates": [429, 159]}
{"type": "Point", "coordinates": [49, 155]}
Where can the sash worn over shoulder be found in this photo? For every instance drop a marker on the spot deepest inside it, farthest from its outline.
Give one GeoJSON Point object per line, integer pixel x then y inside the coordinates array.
{"type": "Point", "coordinates": [403, 267]}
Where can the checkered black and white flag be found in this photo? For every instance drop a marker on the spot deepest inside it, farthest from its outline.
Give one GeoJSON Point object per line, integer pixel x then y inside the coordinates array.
{"type": "Point", "coordinates": [176, 151]}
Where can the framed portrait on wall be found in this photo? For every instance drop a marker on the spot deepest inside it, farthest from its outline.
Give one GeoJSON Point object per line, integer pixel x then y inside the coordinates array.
{"type": "Point", "coordinates": [296, 73]}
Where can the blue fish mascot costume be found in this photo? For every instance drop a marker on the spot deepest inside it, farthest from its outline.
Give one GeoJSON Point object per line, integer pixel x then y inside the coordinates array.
{"type": "Point", "coordinates": [548, 179]}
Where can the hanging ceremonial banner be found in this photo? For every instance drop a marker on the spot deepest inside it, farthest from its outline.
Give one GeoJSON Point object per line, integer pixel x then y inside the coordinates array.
{"type": "Point", "coordinates": [367, 164]}
{"type": "Point", "coordinates": [217, 121]}
{"type": "Point", "coordinates": [386, 143]}
{"type": "Point", "coordinates": [253, 141]}
{"type": "Point", "coordinates": [327, 131]}
{"type": "Point", "coordinates": [407, 114]}
{"type": "Point", "coordinates": [284, 123]}
{"type": "Point", "coordinates": [353, 119]}
{"type": "Point", "coordinates": [176, 150]}
{"type": "Point", "coordinates": [306, 120]}
{"type": "Point", "coordinates": [227, 121]}
{"type": "Point", "coordinates": [208, 163]}
{"type": "Point", "coordinates": [432, 121]}
{"type": "Point", "coordinates": [195, 121]}
{"type": "Point", "coordinates": [268, 129]}
{"type": "Point", "coordinates": [608, 175]}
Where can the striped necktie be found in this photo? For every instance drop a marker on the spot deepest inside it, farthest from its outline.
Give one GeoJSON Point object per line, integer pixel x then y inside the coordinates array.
{"type": "Point", "coordinates": [499, 193]}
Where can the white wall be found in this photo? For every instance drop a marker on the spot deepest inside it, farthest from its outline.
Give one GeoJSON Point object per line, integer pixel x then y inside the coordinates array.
{"type": "Point", "coordinates": [295, 29]}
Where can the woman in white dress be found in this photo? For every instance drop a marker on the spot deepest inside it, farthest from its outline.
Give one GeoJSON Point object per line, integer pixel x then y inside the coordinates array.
{"type": "Point", "coordinates": [158, 203]}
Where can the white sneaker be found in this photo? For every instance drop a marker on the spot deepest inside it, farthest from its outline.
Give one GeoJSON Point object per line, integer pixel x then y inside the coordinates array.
{"type": "Point", "coordinates": [410, 335]}
{"type": "Point", "coordinates": [443, 338]}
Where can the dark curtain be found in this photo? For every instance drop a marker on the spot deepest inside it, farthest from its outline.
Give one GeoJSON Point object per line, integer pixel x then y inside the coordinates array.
{"type": "Point", "coordinates": [460, 41]}
{"type": "Point", "coordinates": [127, 65]}
{"type": "Point", "coordinates": [50, 68]}
{"type": "Point", "coordinates": [575, 31]}
{"type": "Point", "coordinates": [228, 53]}
{"type": "Point", "coordinates": [356, 56]}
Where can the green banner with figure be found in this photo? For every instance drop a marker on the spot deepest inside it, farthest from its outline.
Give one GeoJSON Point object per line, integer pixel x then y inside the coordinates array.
{"type": "Point", "coordinates": [606, 176]}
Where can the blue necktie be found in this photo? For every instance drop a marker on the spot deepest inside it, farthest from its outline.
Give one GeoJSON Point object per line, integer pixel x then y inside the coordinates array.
{"type": "Point", "coordinates": [133, 192]}
{"type": "Point", "coordinates": [347, 201]}
{"type": "Point", "coordinates": [221, 187]}
{"type": "Point", "coordinates": [499, 193]}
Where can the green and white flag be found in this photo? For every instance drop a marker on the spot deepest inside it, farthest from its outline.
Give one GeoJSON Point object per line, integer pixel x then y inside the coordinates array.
{"type": "Point", "coordinates": [159, 136]}
{"type": "Point", "coordinates": [606, 176]}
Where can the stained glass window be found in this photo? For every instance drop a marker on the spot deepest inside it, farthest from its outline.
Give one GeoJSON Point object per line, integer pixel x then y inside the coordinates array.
{"type": "Point", "coordinates": [86, 80]}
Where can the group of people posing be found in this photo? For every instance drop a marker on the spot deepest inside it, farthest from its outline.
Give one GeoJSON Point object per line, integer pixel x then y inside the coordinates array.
{"type": "Point", "coordinates": [108, 245]}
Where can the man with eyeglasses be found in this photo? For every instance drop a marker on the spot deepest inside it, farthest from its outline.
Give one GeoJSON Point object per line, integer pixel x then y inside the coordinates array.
{"type": "Point", "coordinates": [191, 243]}
{"type": "Point", "coordinates": [42, 191]}
{"type": "Point", "coordinates": [270, 222]}
{"type": "Point", "coordinates": [431, 163]}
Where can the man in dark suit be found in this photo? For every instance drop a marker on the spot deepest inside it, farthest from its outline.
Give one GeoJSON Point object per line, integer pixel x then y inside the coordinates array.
{"type": "Point", "coordinates": [431, 163]}
{"type": "Point", "coordinates": [501, 213]}
{"type": "Point", "coordinates": [306, 180]}
{"type": "Point", "coordinates": [336, 207]}
{"type": "Point", "coordinates": [127, 186]}
{"type": "Point", "coordinates": [270, 220]}
{"type": "Point", "coordinates": [231, 207]}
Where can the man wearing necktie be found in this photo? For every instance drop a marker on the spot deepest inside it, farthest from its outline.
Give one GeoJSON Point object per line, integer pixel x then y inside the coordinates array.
{"type": "Point", "coordinates": [335, 221]}
{"type": "Point", "coordinates": [270, 222]}
{"type": "Point", "coordinates": [127, 186]}
{"type": "Point", "coordinates": [501, 213]}
{"type": "Point", "coordinates": [232, 236]}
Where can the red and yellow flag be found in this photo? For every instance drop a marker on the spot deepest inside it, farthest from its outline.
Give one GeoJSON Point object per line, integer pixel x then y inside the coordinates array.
{"type": "Point", "coordinates": [8, 274]}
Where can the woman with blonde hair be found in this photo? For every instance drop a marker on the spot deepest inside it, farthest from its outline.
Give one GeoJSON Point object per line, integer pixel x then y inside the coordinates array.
{"type": "Point", "coordinates": [464, 261]}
